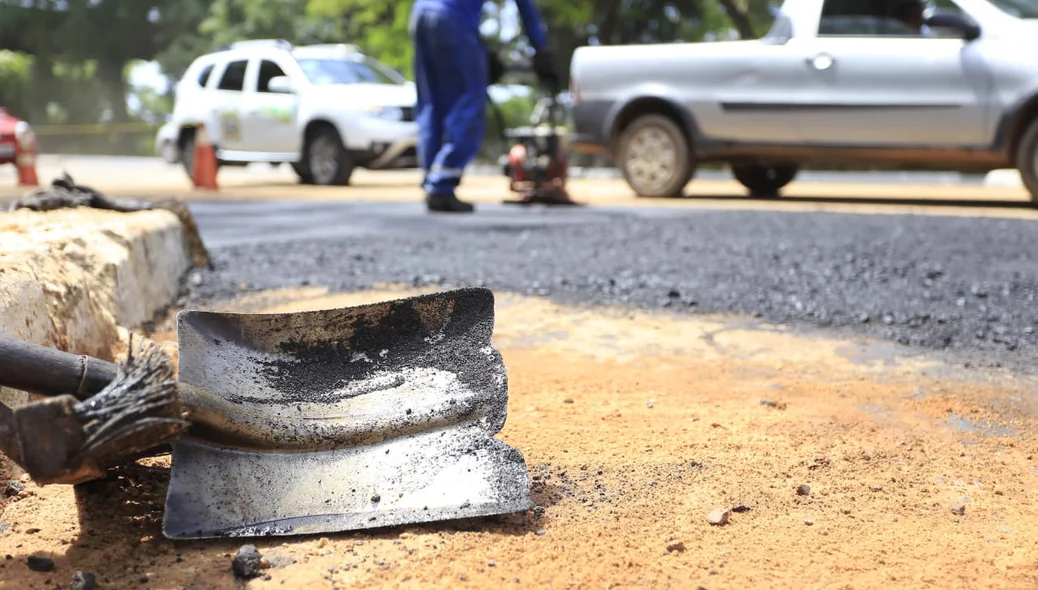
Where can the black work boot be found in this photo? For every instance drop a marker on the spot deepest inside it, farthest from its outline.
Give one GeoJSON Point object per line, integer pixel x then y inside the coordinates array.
{"type": "Point", "coordinates": [447, 204]}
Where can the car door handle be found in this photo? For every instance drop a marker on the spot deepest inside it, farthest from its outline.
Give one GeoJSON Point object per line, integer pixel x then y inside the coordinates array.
{"type": "Point", "coordinates": [821, 62]}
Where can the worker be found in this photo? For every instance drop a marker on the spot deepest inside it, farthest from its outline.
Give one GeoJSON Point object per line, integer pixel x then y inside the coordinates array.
{"type": "Point", "coordinates": [451, 75]}
{"type": "Point", "coordinates": [911, 14]}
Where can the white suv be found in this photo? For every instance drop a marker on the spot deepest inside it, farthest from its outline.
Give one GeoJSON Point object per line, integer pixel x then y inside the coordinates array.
{"type": "Point", "coordinates": [324, 109]}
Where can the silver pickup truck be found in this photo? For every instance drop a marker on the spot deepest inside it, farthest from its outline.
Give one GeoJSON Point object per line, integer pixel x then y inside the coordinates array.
{"type": "Point", "coordinates": [950, 85]}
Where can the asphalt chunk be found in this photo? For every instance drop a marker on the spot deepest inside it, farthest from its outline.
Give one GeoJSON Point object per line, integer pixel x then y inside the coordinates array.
{"type": "Point", "coordinates": [40, 564]}
{"type": "Point", "coordinates": [930, 282]}
{"type": "Point", "coordinates": [246, 563]}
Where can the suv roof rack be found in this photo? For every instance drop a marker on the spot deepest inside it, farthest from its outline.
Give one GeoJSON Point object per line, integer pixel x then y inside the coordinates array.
{"type": "Point", "coordinates": [279, 43]}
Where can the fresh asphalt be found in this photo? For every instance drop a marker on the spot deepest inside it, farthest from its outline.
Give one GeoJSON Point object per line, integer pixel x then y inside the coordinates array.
{"type": "Point", "coordinates": [963, 285]}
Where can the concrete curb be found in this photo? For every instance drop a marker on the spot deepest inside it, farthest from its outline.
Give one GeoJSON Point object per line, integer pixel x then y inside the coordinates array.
{"type": "Point", "coordinates": [79, 279]}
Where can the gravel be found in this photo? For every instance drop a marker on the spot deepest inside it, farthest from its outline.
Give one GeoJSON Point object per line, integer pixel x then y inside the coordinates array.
{"type": "Point", "coordinates": [719, 517]}
{"type": "Point", "coordinates": [13, 488]}
{"type": "Point", "coordinates": [40, 564]}
{"type": "Point", "coordinates": [931, 282]}
{"type": "Point", "coordinates": [84, 581]}
{"type": "Point", "coordinates": [246, 563]}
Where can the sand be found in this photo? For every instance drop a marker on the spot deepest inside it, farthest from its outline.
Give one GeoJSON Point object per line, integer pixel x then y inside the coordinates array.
{"type": "Point", "coordinates": [636, 426]}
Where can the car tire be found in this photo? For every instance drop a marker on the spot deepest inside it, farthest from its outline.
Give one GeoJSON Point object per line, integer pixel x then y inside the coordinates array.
{"type": "Point", "coordinates": [1027, 159]}
{"type": "Point", "coordinates": [642, 147]}
{"type": "Point", "coordinates": [325, 159]}
{"type": "Point", "coordinates": [187, 153]}
{"type": "Point", "coordinates": [170, 152]}
{"type": "Point", "coordinates": [764, 181]}
{"type": "Point", "coordinates": [302, 172]}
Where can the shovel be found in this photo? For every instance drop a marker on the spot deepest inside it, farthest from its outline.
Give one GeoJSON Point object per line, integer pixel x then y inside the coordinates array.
{"type": "Point", "coordinates": [313, 422]}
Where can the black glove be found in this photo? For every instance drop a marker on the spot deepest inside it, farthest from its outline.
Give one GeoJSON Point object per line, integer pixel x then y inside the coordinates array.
{"type": "Point", "coordinates": [544, 66]}
{"type": "Point", "coordinates": [495, 68]}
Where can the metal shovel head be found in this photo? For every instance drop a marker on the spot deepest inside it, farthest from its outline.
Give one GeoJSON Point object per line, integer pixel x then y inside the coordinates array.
{"type": "Point", "coordinates": [342, 419]}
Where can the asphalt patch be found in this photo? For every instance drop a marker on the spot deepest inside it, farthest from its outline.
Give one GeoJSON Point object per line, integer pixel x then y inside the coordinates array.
{"type": "Point", "coordinates": [931, 282]}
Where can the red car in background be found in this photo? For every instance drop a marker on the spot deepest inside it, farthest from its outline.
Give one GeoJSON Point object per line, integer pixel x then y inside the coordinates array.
{"type": "Point", "coordinates": [12, 131]}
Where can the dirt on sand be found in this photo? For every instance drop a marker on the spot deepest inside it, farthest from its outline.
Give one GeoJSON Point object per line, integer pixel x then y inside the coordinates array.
{"type": "Point", "coordinates": [840, 464]}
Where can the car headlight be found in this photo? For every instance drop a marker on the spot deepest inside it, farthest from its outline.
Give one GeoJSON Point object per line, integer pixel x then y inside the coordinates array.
{"type": "Point", "coordinates": [384, 112]}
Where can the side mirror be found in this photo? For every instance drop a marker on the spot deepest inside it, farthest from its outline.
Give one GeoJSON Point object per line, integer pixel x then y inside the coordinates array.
{"type": "Point", "coordinates": [281, 84]}
{"type": "Point", "coordinates": [943, 19]}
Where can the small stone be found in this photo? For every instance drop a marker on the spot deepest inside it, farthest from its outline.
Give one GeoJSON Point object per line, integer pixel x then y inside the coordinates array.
{"type": "Point", "coordinates": [719, 517]}
{"type": "Point", "coordinates": [13, 488]}
{"type": "Point", "coordinates": [803, 490]}
{"type": "Point", "coordinates": [958, 509]}
{"type": "Point", "coordinates": [84, 581]}
{"type": "Point", "coordinates": [143, 579]}
{"type": "Point", "coordinates": [740, 508]}
{"type": "Point", "coordinates": [568, 400]}
{"type": "Point", "coordinates": [674, 294]}
{"type": "Point", "coordinates": [376, 498]}
{"type": "Point", "coordinates": [649, 405]}
{"type": "Point", "coordinates": [540, 532]}
{"type": "Point", "coordinates": [491, 563]}
{"type": "Point", "coordinates": [676, 547]}
{"type": "Point", "coordinates": [32, 531]}
{"type": "Point", "coordinates": [40, 564]}
{"type": "Point", "coordinates": [246, 563]}
{"type": "Point", "coordinates": [196, 279]}
{"type": "Point", "coordinates": [809, 522]}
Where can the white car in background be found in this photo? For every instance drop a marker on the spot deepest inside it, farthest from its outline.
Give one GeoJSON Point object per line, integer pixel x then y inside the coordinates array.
{"type": "Point", "coordinates": [324, 109]}
{"type": "Point", "coordinates": [166, 143]}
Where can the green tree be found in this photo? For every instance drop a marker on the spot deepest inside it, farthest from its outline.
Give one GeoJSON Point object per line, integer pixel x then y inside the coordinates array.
{"type": "Point", "coordinates": [101, 36]}
{"type": "Point", "coordinates": [379, 28]}
{"type": "Point", "coordinates": [14, 83]}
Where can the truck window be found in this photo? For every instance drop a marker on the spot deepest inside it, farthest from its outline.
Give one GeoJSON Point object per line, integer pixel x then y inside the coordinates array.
{"type": "Point", "coordinates": [268, 70]}
{"type": "Point", "coordinates": [871, 18]}
{"type": "Point", "coordinates": [234, 76]}
{"type": "Point", "coordinates": [203, 77]}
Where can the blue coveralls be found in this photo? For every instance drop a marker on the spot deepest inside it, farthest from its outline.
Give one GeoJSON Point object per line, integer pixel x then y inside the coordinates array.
{"type": "Point", "coordinates": [450, 69]}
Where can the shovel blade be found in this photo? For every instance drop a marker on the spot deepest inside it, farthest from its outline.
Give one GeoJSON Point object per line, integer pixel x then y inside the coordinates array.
{"type": "Point", "coordinates": [352, 418]}
{"type": "Point", "coordinates": [220, 492]}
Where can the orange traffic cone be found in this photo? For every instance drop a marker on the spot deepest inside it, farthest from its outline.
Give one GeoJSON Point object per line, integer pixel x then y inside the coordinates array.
{"type": "Point", "coordinates": [25, 159]}
{"type": "Point", "coordinates": [203, 166]}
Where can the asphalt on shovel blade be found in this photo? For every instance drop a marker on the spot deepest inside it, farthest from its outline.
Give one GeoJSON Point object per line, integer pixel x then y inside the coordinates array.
{"type": "Point", "coordinates": [343, 419]}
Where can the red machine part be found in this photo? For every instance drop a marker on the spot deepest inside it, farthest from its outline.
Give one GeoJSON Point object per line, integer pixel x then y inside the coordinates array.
{"type": "Point", "coordinates": [517, 164]}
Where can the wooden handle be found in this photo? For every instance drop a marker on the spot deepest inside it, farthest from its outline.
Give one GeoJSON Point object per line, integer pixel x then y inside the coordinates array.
{"type": "Point", "coordinates": [51, 372]}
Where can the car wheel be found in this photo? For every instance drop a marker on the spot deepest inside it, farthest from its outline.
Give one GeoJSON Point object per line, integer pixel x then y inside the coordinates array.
{"type": "Point", "coordinates": [169, 152]}
{"type": "Point", "coordinates": [326, 159]}
{"type": "Point", "coordinates": [764, 181]}
{"type": "Point", "coordinates": [655, 158]}
{"type": "Point", "coordinates": [1027, 159]}
{"type": "Point", "coordinates": [187, 153]}
{"type": "Point", "coordinates": [302, 172]}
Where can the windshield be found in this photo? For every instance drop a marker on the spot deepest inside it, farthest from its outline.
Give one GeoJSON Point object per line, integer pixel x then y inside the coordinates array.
{"type": "Point", "coordinates": [348, 71]}
{"type": "Point", "coordinates": [1018, 8]}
